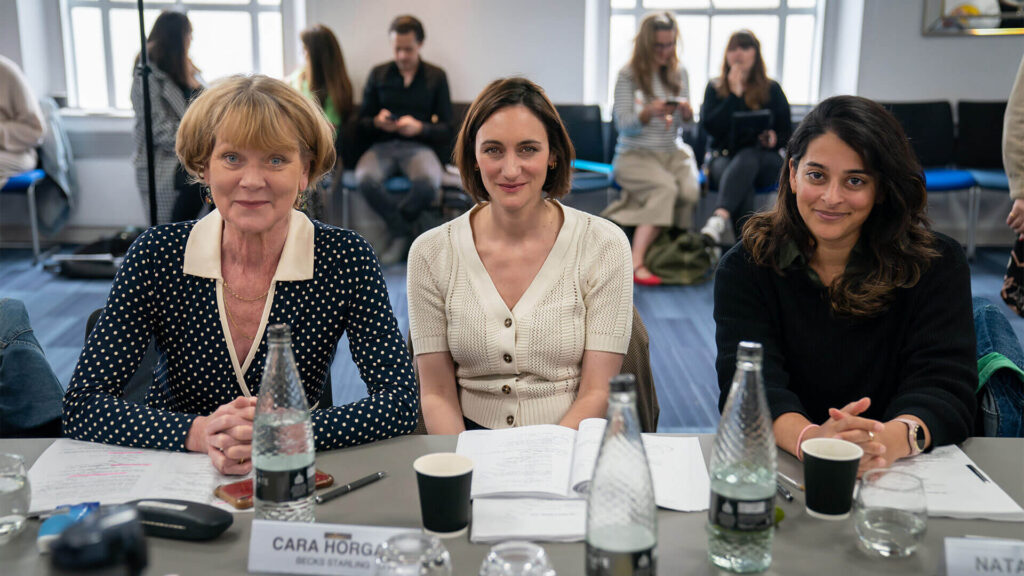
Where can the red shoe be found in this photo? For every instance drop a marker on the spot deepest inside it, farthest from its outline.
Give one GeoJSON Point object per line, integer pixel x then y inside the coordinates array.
{"type": "Point", "coordinates": [649, 280]}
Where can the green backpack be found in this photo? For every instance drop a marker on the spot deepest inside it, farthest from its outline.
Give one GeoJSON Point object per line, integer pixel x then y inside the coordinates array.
{"type": "Point", "coordinates": [679, 257]}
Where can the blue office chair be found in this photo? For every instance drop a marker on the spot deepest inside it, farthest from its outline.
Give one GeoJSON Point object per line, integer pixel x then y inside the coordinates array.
{"type": "Point", "coordinates": [929, 126]}
{"type": "Point", "coordinates": [25, 183]}
{"type": "Point", "coordinates": [979, 150]}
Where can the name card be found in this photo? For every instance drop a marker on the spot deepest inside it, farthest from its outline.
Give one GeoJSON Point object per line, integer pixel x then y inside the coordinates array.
{"type": "Point", "coordinates": [302, 548]}
{"type": "Point", "coordinates": [984, 556]}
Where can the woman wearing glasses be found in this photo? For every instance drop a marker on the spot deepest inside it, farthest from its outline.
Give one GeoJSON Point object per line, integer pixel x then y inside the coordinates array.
{"type": "Point", "coordinates": [656, 170]}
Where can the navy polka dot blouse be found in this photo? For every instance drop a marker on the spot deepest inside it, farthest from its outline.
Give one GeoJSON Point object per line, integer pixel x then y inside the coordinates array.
{"type": "Point", "coordinates": [152, 296]}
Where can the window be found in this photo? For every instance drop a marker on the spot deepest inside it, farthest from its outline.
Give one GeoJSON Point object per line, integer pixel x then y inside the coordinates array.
{"type": "Point", "coordinates": [101, 39]}
{"type": "Point", "coordinates": [789, 32]}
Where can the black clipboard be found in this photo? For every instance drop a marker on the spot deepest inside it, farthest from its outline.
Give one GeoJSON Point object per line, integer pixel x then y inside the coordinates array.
{"type": "Point", "coordinates": [747, 126]}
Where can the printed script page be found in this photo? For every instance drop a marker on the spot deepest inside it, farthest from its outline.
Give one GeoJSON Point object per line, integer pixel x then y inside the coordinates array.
{"type": "Point", "coordinates": [955, 491]}
{"type": "Point", "coordinates": [71, 472]}
{"type": "Point", "coordinates": [527, 461]}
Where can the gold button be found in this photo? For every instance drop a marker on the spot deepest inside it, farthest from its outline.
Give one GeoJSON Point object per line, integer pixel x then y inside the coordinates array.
{"type": "Point", "coordinates": [508, 322]}
{"type": "Point", "coordinates": [510, 420]}
{"type": "Point", "coordinates": [508, 358]}
{"type": "Point", "coordinates": [506, 389]}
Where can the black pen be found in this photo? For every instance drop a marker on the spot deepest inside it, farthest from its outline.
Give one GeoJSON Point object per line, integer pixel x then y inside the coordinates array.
{"type": "Point", "coordinates": [977, 473]}
{"type": "Point", "coordinates": [783, 492]}
{"type": "Point", "coordinates": [342, 490]}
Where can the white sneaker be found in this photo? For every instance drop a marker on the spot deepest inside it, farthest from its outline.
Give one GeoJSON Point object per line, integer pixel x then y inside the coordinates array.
{"type": "Point", "coordinates": [714, 230]}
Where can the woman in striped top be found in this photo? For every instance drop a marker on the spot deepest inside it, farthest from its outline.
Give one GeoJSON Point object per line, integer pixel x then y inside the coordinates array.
{"type": "Point", "coordinates": [655, 168]}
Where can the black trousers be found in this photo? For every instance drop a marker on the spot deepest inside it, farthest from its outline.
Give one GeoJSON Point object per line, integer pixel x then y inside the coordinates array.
{"type": "Point", "coordinates": [736, 177]}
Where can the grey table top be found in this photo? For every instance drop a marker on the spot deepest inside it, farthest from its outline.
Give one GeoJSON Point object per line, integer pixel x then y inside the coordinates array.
{"type": "Point", "coordinates": [802, 545]}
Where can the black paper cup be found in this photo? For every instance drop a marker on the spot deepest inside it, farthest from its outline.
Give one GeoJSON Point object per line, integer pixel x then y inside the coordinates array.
{"type": "Point", "coordinates": [444, 480]}
{"type": "Point", "coordinates": [830, 472]}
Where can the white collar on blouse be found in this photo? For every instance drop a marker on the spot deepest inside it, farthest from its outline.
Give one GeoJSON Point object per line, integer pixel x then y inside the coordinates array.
{"type": "Point", "coordinates": [202, 251]}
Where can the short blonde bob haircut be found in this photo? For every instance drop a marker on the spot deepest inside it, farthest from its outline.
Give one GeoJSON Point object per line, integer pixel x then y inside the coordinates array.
{"type": "Point", "coordinates": [502, 94]}
{"type": "Point", "coordinates": [255, 112]}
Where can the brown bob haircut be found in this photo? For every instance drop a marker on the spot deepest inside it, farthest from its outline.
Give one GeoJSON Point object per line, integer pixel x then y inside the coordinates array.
{"type": "Point", "coordinates": [256, 112]}
{"type": "Point", "coordinates": [500, 94]}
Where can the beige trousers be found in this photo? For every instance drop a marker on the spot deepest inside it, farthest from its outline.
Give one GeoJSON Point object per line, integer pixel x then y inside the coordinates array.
{"type": "Point", "coordinates": [658, 188]}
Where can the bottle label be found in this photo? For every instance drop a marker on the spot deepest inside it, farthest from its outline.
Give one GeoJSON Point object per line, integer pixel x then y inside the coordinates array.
{"type": "Point", "coordinates": [741, 515]}
{"type": "Point", "coordinates": [285, 485]}
{"type": "Point", "coordinates": [604, 563]}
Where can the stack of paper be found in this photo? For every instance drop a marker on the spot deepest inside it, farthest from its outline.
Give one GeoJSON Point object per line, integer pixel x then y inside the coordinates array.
{"type": "Point", "coordinates": [525, 479]}
{"type": "Point", "coordinates": [70, 472]}
{"type": "Point", "coordinates": [957, 488]}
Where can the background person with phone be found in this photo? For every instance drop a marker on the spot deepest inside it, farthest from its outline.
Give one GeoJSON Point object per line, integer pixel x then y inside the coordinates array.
{"type": "Point", "coordinates": [740, 165]}
{"type": "Point", "coordinates": [656, 170]}
{"type": "Point", "coordinates": [405, 119]}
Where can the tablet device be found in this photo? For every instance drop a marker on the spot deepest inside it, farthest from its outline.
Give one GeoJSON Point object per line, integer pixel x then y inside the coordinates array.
{"type": "Point", "coordinates": [747, 126]}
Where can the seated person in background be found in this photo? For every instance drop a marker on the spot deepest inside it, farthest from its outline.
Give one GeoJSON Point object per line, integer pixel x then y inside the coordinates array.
{"type": "Point", "coordinates": [406, 115]}
{"type": "Point", "coordinates": [207, 290]}
{"type": "Point", "coordinates": [520, 309]}
{"type": "Point", "coordinates": [740, 161]}
{"type": "Point", "coordinates": [21, 122]}
{"type": "Point", "coordinates": [324, 78]}
{"type": "Point", "coordinates": [864, 313]}
{"type": "Point", "coordinates": [656, 170]}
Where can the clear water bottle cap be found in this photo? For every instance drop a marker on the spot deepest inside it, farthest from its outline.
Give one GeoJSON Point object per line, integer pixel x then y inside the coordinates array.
{"type": "Point", "coordinates": [749, 352]}
{"type": "Point", "coordinates": [622, 383]}
{"type": "Point", "coordinates": [279, 332]}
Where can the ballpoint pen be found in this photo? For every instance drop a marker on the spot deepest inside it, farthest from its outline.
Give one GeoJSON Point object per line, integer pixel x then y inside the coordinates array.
{"type": "Point", "coordinates": [342, 490]}
{"type": "Point", "coordinates": [789, 479]}
{"type": "Point", "coordinates": [783, 492]}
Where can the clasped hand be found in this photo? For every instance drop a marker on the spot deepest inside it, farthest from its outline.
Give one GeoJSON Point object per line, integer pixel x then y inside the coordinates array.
{"type": "Point", "coordinates": [226, 436]}
{"type": "Point", "coordinates": [846, 424]}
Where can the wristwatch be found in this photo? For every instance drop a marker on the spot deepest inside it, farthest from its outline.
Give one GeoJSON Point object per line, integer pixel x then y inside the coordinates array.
{"type": "Point", "coordinates": [915, 435]}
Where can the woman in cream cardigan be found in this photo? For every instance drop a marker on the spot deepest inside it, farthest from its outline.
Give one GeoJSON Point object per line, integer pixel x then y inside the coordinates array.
{"type": "Point", "coordinates": [520, 309]}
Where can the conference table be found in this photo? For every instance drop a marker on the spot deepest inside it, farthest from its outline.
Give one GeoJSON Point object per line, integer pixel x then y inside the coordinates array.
{"type": "Point", "coordinates": [802, 545]}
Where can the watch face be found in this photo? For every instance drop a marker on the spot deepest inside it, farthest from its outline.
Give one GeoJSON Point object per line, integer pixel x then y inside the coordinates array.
{"type": "Point", "coordinates": [919, 437]}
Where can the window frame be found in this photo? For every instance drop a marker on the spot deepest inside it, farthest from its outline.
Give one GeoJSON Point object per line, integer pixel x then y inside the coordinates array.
{"type": "Point", "coordinates": [604, 77]}
{"type": "Point", "coordinates": [254, 8]}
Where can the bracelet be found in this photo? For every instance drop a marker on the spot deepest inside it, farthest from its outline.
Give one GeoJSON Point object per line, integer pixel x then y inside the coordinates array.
{"type": "Point", "coordinates": [800, 439]}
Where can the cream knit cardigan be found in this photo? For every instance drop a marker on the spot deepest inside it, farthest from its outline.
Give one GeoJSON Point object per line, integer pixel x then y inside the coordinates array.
{"type": "Point", "coordinates": [521, 366]}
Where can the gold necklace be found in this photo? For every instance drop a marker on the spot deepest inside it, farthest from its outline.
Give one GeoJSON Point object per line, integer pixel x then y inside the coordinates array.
{"type": "Point", "coordinates": [232, 322]}
{"type": "Point", "coordinates": [243, 298]}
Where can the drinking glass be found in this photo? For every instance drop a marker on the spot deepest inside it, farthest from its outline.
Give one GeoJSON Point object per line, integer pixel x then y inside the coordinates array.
{"type": "Point", "coordinates": [892, 513]}
{"type": "Point", "coordinates": [516, 558]}
{"type": "Point", "coordinates": [413, 554]}
{"type": "Point", "coordinates": [14, 496]}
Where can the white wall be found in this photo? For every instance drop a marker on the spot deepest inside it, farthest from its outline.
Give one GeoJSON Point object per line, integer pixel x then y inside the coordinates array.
{"type": "Point", "coordinates": [897, 62]}
{"type": "Point", "coordinates": [475, 41]}
{"type": "Point", "coordinates": [882, 56]}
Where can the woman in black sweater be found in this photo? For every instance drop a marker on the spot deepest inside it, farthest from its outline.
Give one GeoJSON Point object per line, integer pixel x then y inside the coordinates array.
{"type": "Point", "coordinates": [742, 158]}
{"type": "Point", "coordinates": [864, 313]}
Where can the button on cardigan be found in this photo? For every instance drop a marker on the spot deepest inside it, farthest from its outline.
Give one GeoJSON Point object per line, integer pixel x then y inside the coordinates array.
{"type": "Point", "coordinates": [327, 283]}
{"type": "Point", "coordinates": [521, 366]}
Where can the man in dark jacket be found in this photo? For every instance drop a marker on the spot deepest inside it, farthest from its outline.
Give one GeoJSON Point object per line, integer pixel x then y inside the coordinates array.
{"type": "Point", "coordinates": [406, 118]}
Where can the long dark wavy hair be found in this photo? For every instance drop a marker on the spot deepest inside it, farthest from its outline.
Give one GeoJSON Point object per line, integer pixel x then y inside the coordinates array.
{"type": "Point", "coordinates": [326, 74]}
{"type": "Point", "coordinates": [757, 90]}
{"type": "Point", "coordinates": [165, 46]}
{"type": "Point", "coordinates": [899, 243]}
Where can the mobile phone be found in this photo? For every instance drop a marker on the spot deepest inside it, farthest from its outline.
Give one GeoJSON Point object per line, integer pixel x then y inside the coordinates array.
{"type": "Point", "coordinates": [670, 106]}
{"type": "Point", "coordinates": [239, 494]}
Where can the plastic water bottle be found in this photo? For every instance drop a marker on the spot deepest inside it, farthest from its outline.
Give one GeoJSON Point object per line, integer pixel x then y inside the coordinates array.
{"type": "Point", "coordinates": [622, 525]}
{"type": "Point", "coordinates": [282, 445]}
{"type": "Point", "coordinates": [743, 467]}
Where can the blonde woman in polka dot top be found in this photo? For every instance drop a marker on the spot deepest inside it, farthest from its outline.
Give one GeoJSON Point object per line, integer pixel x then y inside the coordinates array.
{"type": "Point", "coordinates": [207, 290]}
{"type": "Point", "coordinates": [520, 310]}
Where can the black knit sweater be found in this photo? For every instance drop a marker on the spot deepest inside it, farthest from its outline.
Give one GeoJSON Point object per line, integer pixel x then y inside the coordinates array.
{"type": "Point", "coordinates": [916, 358]}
